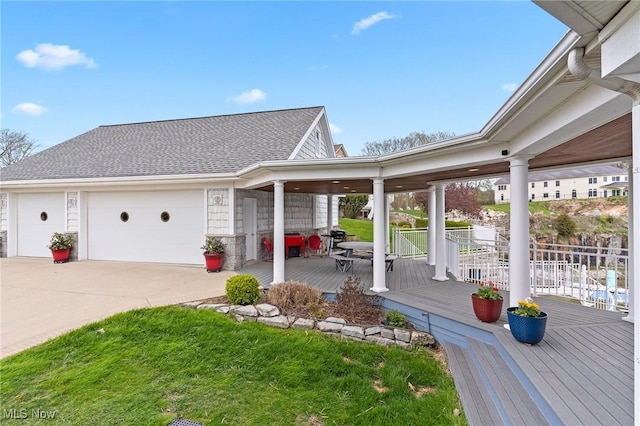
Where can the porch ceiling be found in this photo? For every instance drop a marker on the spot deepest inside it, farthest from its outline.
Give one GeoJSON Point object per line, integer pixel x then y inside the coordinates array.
{"type": "Point", "coordinates": [608, 143]}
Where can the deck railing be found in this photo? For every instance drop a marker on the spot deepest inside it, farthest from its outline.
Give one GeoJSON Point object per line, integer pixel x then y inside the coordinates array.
{"type": "Point", "coordinates": [592, 276]}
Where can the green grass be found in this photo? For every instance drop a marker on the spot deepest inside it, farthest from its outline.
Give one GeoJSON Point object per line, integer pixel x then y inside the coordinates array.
{"type": "Point", "coordinates": [415, 213]}
{"type": "Point", "coordinates": [153, 365]}
{"type": "Point", "coordinates": [362, 229]}
{"type": "Point", "coordinates": [534, 206]}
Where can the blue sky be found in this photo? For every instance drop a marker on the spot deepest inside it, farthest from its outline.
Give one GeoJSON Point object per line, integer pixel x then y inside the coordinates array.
{"type": "Point", "coordinates": [381, 69]}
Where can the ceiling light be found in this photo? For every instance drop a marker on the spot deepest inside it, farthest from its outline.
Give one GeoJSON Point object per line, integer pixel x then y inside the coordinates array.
{"type": "Point", "coordinates": [336, 181]}
{"type": "Point", "coordinates": [398, 186]}
{"type": "Point", "coordinates": [473, 170]}
{"type": "Point", "coordinates": [353, 190]}
{"type": "Point", "coordinates": [346, 187]}
{"type": "Point", "coordinates": [296, 188]}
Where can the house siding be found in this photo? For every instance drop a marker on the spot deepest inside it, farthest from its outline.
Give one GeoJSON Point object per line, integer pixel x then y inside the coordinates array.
{"type": "Point", "coordinates": [314, 146]}
{"type": "Point", "coordinates": [217, 211]}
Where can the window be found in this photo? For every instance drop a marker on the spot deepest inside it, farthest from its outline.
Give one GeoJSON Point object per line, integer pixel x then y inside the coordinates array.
{"type": "Point", "coordinates": [545, 195]}
{"type": "Point", "coordinates": [592, 193]}
{"type": "Point", "coordinates": [502, 187]}
{"type": "Point", "coordinates": [533, 184]}
{"type": "Point", "coordinates": [501, 197]}
{"type": "Point", "coordinates": [44, 216]}
{"type": "Point", "coordinates": [557, 194]}
{"type": "Point", "coordinates": [557, 183]}
{"type": "Point", "coordinates": [545, 184]}
{"type": "Point", "coordinates": [615, 178]}
{"type": "Point", "coordinates": [604, 178]}
{"type": "Point", "coordinates": [615, 192]}
{"type": "Point", "coordinates": [593, 180]}
{"type": "Point", "coordinates": [574, 194]}
{"type": "Point", "coordinates": [533, 196]}
{"type": "Point", "coordinates": [604, 193]}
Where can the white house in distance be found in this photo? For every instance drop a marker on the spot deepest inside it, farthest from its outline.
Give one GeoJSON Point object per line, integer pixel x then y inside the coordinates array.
{"type": "Point", "coordinates": [585, 182]}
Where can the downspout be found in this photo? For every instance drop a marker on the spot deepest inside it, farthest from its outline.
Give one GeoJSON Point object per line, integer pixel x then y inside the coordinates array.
{"type": "Point", "coordinates": [580, 70]}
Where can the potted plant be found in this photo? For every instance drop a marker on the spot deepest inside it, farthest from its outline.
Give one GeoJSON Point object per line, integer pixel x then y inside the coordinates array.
{"type": "Point", "coordinates": [214, 249]}
{"type": "Point", "coordinates": [60, 245]}
{"type": "Point", "coordinates": [527, 322]}
{"type": "Point", "coordinates": [487, 302]}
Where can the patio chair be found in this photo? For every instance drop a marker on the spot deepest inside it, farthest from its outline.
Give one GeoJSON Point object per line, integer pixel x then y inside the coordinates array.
{"type": "Point", "coordinates": [268, 247]}
{"type": "Point", "coordinates": [315, 245]}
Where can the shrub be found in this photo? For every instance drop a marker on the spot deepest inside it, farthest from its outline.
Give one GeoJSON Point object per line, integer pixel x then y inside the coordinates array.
{"type": "Point", "coordinates": [243, 289]}
{"type": "Point", "coordinates": [292, 294]}
{"type": "Point", "coordinates": [353, 302]}
{"type": "Point", "coordinates": [404, 224]}
{"type": "Point", "coordinates": [396, 319]}
{"type": "Point", "coordinates": [422, 223]}
{"type": "Point", "coordinates": [565, 225]}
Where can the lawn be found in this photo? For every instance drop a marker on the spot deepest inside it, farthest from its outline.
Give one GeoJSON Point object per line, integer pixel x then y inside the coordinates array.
{"type": "Point", "coordinates": [150, 366]}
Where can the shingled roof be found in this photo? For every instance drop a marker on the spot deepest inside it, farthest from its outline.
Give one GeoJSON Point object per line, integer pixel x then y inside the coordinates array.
{"type": "Point", "coordinates": [220, 144]}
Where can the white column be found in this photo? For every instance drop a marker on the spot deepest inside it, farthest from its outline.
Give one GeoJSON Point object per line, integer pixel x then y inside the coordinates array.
{"type": "Point", "coordinates": [379, 278]}
{"type": "Point", "coordinates": [329, 213]}
{"type": "Point", "coordinates": [386, 223]}
{"type": "Point", "coordinates": [431, 230]}
{"type": "Point", "coordinates": [278, 232]}
{"type": "Point", "coordinates": [519, 287]}
{"type": "Point", "coordinates": [634, 255]}
{"type": "Point", "coordinates": [631, 290]}
{"type": "Point", "coordinates": [441, 253]}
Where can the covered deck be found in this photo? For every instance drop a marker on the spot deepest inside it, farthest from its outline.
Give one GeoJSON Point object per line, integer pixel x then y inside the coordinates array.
{"type": "Point", "coordinates": [581, 373]}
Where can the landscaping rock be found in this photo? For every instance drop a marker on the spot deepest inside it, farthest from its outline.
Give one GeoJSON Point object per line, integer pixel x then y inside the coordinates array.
{"type": "Point", "coordinates": [304, 323]}
{"type": "Point", "coordinates": [421, 338]}
{"type": "Point", "coordinates": [191, 304]}
{"type": "Point", "coordinates": [209, 305]}
{"type": "Point", "coordinates": [380, 340]}
{"type": "Point", "coordinates": [329, 326]}
{"type": "Point", "coordinates": [387, 333]}
{"type": "Point", "coordinates": [246, 311]}
{"type": "Point", "coordinates": [279, 321]}
{"type": "Point", "coordinates": [369, 331]}
{"type": "Point", "coordinates": [224, 309]}
{"type": "Point", "coordinates": [267, 310]}
{"type": "Point", "coordinates": [402, 335]}
{"type": "Point", "coordinates": [336, 320]}
{"type": "Point", "coordinates": [353, 331]}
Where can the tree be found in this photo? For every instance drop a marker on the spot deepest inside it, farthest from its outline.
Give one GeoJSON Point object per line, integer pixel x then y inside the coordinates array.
{"type": "Point", "coordinates": [14, 146]}
{"type": "Point", "coordinates": [458, 196]}
{"type": "Point", "coordinates": [351, 205]}
{"type": "Point", "coordinates": [388, 146]}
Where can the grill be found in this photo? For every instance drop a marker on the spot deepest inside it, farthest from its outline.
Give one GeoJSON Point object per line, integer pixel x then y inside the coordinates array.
{"type": "Point", "coordinates": [336, 238]}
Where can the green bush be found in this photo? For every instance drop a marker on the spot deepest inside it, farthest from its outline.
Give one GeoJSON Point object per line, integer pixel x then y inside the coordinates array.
{"type": "Point", "coordinates": [243, 289]}
{"type": "Point", "coordinates": [565, 225]}
{"type": "Point", "coordinates": [396, 319]}
{"type": "Point", "coordinates": [404, 224]}
{"type": "Point", "coordinates": [422, 223]}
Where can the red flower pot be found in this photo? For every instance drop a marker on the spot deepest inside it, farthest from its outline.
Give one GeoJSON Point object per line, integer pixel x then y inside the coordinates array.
{"type": "Point", "coordinates": [213, 262]}
{"type": "Point", "coordinates": [487, 310]}
{"type": "Point", "coordinates": [60, 255]}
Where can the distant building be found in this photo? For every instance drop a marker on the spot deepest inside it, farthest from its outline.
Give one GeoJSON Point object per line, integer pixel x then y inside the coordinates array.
{"type": "Point", "coordinates": [587, 182]}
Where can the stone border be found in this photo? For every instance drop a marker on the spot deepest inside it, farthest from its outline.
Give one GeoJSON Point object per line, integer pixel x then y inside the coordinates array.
{"type": "Point", "coordinates": [270, 315]}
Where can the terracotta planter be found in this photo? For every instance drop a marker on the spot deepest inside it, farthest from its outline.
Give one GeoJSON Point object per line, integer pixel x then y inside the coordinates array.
{"type": "Point", "coordinates": [60, 255]}
{"type": "Point", "coordinates": [487, 310]}
{"type": "Point", "coordinates": [527, 329]}
{"type": "Point", "coordinates": [213, 262]}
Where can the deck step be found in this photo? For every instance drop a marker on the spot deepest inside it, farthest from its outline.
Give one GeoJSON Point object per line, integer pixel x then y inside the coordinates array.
{"type": "Point", "coordinates": [490, 392]}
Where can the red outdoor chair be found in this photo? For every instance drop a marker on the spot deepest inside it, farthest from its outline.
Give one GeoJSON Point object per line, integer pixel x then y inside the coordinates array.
{"type": "Point", "coordinates": [268, 247]}
{"type": "Point", "coordinates": [315, 245]}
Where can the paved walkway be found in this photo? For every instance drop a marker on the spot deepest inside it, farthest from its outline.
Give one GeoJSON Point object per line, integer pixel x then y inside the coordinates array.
{"type": "Point", "coordinates": [40, 300]}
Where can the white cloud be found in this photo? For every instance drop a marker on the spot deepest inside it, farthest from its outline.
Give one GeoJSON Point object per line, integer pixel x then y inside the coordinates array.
{"type": "Point", "coordinates": [29, 108]}
{"type": "Point", "coordinates": [54, 57]}
{"type": "Point", "coordinates": [253, 95]}
{"type": "Point", "coordinates": [334, 128]}
{"type": "Point", "coordinates": [365, 23]}
{"type": "Point", "coordinates": [509, 87]}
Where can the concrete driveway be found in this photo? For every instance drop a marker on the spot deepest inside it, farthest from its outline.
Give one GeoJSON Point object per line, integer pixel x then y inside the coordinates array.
{"type": "Point", "coordinates": [41, 300]}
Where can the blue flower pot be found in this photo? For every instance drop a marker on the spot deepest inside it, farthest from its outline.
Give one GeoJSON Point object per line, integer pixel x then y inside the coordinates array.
{"type": "Point", "coordinates": [527, 329]}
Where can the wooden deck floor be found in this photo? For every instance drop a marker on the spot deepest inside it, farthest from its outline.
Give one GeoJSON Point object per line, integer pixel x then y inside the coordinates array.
{"type": "Point", "coordinates": [580, 374]}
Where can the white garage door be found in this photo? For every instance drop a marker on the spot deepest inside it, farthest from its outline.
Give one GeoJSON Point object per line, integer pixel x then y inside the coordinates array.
{"type": "Point", "coordinates": [166, 226]}
{"type": "Point", "coordinates": [39, 216]}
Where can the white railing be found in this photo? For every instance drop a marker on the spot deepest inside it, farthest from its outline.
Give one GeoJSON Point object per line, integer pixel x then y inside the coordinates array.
{"type": "Point", "coordinates": [410, 242]}
{"type": "Point", "coordinates": [590, 275]}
